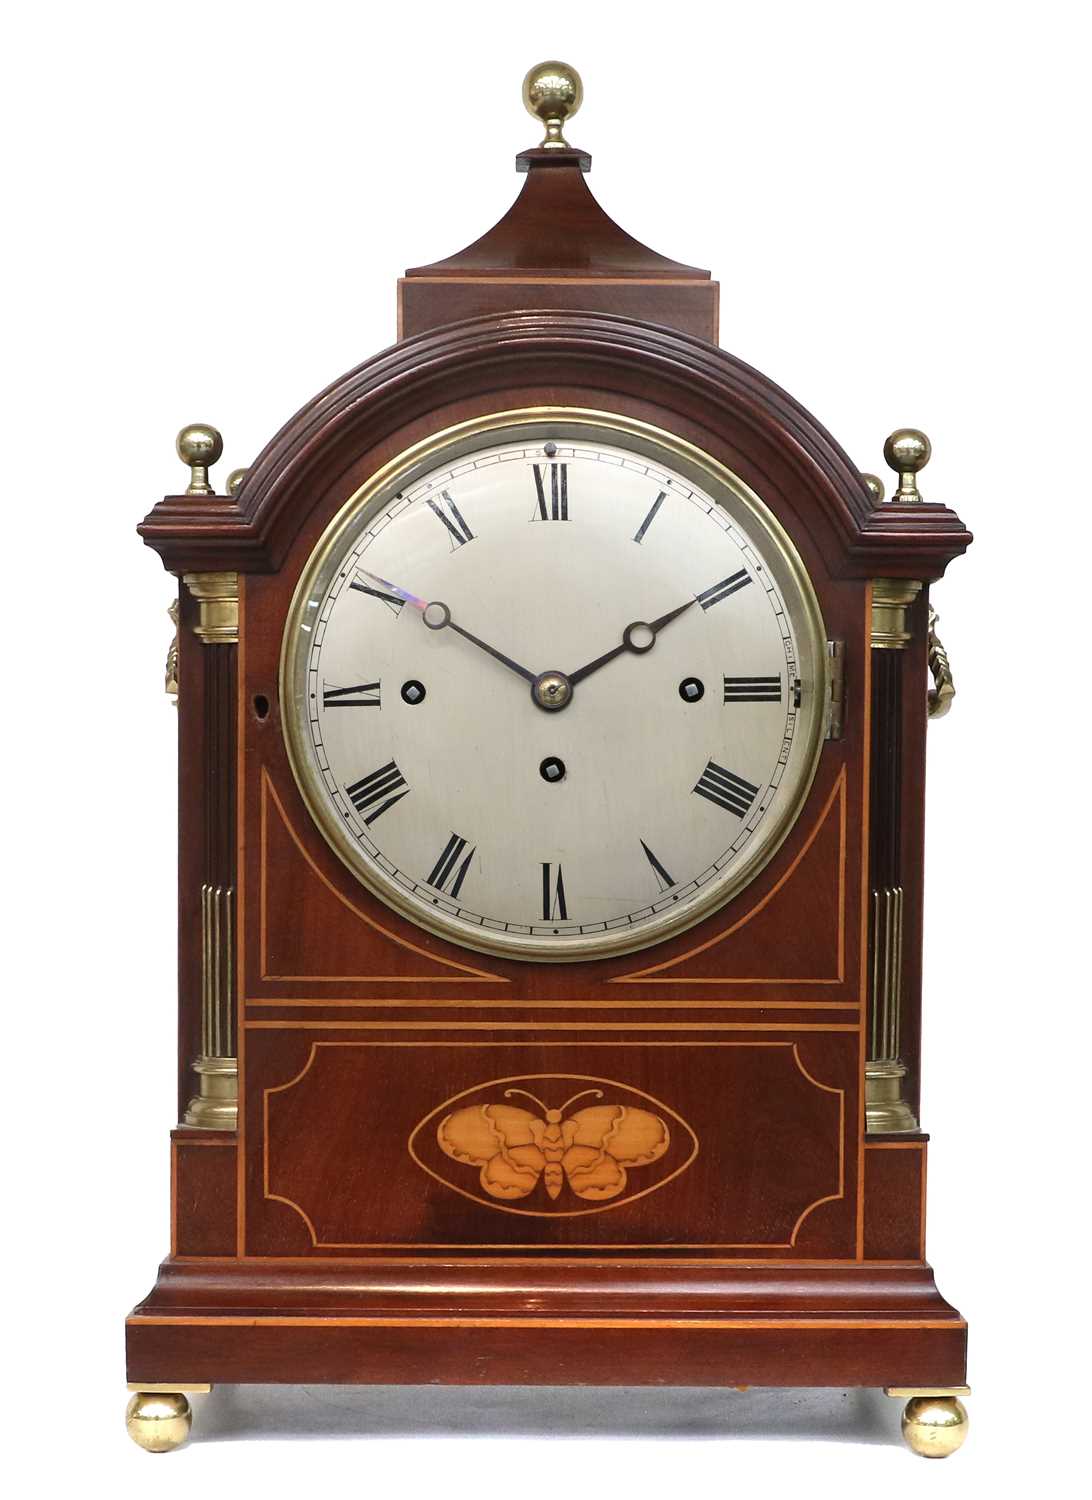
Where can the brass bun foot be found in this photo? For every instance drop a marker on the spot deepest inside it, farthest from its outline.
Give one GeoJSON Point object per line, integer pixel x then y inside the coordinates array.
{"type": "Point", "coordinates": [934, 1426]}
{"type": "Point", "coordinates": [158, 1421]}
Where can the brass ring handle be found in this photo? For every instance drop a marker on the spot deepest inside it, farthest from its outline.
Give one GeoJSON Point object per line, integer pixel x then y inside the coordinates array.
{"type": "Point", "coordinates": [943, 690]}
{"type": "Point", "coordinates": [170, 670]}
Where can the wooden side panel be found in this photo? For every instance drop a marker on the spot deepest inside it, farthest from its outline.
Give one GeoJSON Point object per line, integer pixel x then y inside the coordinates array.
{"type": "Point", "coordinates": [204, 1167]}
{"type": "Point", "coordinates": [894, 1200]}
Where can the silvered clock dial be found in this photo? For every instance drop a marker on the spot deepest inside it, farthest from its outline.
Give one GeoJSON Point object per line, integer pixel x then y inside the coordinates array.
{"type": "Point", "coordinates": [553, 684]}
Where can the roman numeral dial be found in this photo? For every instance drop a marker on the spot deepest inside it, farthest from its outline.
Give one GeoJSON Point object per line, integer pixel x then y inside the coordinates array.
{"type": "Point", "coordinates": [724, 788]}
{"type": "Point", "coordinates": [648, 520]}
{"type": "Point", "coordinates": [375, 794]}
{"type": "Point", "coordinates": [663, 879]}
{"type": "Point", "coordinates": [752, 690]}
{"type": "Point", "coordinates": [552, 492]}
{"type": "Point", "coordinates": [533, 700]}
{"type": "Point", "coordinates": [554, 908]}
{"type": "Point", "coordinates": [722, 590]}
{"type": "Point", "coordinates": [449, 513]}
{"type": "Point", "coordinates": [449, 871]}
{"type": "Point", "coordinates": [363, 586]}
{"type": "Point", "coordinates": [363, 695]}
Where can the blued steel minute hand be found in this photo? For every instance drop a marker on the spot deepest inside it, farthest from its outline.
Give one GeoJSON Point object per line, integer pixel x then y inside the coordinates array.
{"type": "Point", "coordinates": [437, 616]}
{"type": "Point", "coordinates": [638, 638]}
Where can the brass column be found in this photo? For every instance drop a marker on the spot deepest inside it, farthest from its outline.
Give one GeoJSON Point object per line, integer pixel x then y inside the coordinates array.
{"type": "Point", "coordinates": [215, 1104]}
{"type": "Point", "coordinates": [885, 1107]}
{"type": "Point", "coordinates": [906, 451]}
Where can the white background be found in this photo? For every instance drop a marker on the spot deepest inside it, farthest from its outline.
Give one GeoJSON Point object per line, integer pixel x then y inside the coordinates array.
{"type": "Point", "coordinates": [209, 204]}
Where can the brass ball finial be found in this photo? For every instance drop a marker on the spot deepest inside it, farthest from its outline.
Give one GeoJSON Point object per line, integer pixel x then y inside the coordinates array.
{"type": "Point", "coordinates": [553, 92]}
{"type": "Point", "coordinates": [874, 484]}
{"type": "Point", "coordinates": [907, 451]}
{"type": "Point", "coordinates": [235, 479]}
{"type": "Point", "coordinates": [200, 446]}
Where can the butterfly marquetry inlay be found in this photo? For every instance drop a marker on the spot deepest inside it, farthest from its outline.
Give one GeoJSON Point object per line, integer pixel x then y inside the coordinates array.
{"type": "Point", "coordinates": [589, 1150]}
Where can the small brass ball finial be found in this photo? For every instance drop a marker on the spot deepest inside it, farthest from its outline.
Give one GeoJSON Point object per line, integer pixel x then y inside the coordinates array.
{"type": "Point", "coordinates": [553, 92]}
{"type": "Point", "coordinates": [934, 1426]}
{"type": "Point", "coordinates": [874, 484]}
{"type": "Point", "coordinates": [158, 1421]}
{"type": "Point", "coordinates": [907, 451]}
{"type": "Point", "coordinates": [200, 446]}
{"type": "Point", "coordinates": [235, 479]}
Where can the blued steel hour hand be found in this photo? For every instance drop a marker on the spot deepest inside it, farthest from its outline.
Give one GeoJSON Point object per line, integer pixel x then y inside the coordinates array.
{"type": "Point", "coordinates": [437, 616]}
{"type": "Point", "coordinates": [638, 638]}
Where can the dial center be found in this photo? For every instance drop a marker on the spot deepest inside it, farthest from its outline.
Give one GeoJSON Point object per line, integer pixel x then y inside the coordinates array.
{"type": "Point", "coordinates": [551, 691]}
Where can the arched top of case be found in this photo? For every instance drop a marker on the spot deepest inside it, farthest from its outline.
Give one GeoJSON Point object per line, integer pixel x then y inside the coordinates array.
{"type": "Point", "coordinates": [756, 425]}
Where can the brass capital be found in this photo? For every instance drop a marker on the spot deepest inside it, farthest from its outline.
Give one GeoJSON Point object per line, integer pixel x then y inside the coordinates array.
{"type": "Point", "coordinates": [892, 599]}
{"type": "Point", "coordinates": [218, 597]}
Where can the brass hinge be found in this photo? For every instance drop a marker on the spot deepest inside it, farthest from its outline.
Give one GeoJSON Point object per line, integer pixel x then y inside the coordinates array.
{"type": "Point", "coordinates": [836, 688]}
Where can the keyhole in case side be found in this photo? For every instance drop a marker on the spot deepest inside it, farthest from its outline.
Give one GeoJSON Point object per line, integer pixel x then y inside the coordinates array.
{"type": "Point", "coordinates": [261, 706]}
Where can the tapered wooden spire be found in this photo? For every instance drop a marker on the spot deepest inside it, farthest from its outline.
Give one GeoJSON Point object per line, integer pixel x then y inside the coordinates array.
{"type": "Point", "coordinates": [555, 248]}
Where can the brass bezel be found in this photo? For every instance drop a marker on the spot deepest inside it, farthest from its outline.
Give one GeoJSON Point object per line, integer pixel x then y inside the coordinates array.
{"type": "Point", "coordinates": [565, 424]}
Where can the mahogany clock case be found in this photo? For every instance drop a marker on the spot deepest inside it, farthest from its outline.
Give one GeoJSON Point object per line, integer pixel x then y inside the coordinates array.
{"type": "Point", "coordinates": [330, 1239]}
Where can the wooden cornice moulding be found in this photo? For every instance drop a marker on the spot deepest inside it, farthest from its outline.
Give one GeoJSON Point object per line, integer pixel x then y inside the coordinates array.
{"type": "Point", "coordinates": [425, 375]}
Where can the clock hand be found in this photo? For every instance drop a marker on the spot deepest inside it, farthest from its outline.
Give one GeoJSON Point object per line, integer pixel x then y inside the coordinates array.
{"type": "Point", "coordinates": [638, 638]}
{"type": "Point", "coordinates": [437, 616]}
{"type": "Point", "coordinates": [392, 588]}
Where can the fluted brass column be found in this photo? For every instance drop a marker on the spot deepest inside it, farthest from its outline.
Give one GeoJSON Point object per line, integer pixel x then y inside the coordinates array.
{"type": "Point", "coordinates": [906, 451]}
{"type": "Point", "coordinates": [885, 1107]}
{"type": "Point", "coordinates": [216, 1102]}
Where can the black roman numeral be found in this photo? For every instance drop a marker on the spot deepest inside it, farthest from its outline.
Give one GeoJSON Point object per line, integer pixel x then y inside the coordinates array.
{"type": "Point", "coordinates": [726, 586]}
{"type": "Point", "coordinates": [460, 532]}
{"type": "Point", "coordinates": [663, 879]}
{"type": "Point", "coordinates": [752, 690]}
{"type": "Point", "coordinates": [447, 866]}
{"type": "Point", "coordinates": [374, 792]}
{"type": "Point", "coordinates": [392, 601]}
{"type": "Point", "coordinates": [726, 789]}
{"type": "Point", "coordinates": [553, 896]}
{"type": "Point", "coordinates": [556, 507]}
{"type": "Point", "coordinates": [363, 695]}
{"type": "Point", "coordinates": [648, 520]}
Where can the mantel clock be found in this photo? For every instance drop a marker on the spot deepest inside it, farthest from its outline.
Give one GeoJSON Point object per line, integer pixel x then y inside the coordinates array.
{"type": "Point", "coordinates": [552, 698]}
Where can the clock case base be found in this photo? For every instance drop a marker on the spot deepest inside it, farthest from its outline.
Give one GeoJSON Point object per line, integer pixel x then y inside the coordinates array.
{"type": "Point", "coordinates": [538, 1322]}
